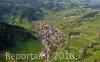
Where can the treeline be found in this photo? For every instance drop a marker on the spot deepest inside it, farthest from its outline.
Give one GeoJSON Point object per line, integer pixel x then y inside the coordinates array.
{"type": "Point", "coordinates": [9, 34]}
{"type": "Point", "coordinates": [91, 14]}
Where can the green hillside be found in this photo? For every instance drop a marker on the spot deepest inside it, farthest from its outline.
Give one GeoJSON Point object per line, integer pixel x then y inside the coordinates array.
{"type": "Point", "coordinates": [56, 30]}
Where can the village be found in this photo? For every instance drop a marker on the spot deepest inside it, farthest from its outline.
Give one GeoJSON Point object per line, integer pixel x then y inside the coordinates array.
{"type": "Point", "coordinates": [50, 36]}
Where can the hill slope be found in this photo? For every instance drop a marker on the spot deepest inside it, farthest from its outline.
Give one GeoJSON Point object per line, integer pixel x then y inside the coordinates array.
{"type": "Point", "coordinates": [9, 34]}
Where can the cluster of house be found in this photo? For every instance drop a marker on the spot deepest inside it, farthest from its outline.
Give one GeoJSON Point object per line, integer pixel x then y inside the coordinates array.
{"type": "Point", "coordinates": [77, 35]}
{"type": "Point", "coordinates": [68, 17]}
{"type": "Point", "coordinates": [50, 36]}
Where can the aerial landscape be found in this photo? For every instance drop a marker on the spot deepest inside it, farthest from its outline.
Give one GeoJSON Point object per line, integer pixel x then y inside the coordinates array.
{"type": "Point", "coordinates": [49, 30]}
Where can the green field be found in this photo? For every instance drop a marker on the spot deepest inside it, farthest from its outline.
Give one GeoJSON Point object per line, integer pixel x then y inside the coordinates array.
{"type": "Point", "coordinates": [25, 47]}
{"type": "Point", "coordinates": [91, 29]}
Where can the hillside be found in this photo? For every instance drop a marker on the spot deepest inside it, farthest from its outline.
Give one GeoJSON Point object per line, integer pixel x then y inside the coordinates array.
{"type": "Point", "coordinates": [14, 11]}
{"type": "Point", "coordinates": [51, 30]}
{"type": "Point", "coordinates": [10, 12]}
{"type": "Point", "coordinates": [9, 34]}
